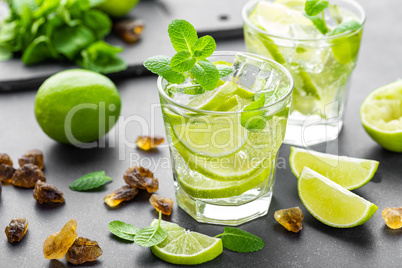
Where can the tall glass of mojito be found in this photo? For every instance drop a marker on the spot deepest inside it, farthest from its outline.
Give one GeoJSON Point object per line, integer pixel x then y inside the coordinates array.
{"type": "Point", "coordinates": [224, 141]}
{"type": "Point", "coordinates": [318, 42]}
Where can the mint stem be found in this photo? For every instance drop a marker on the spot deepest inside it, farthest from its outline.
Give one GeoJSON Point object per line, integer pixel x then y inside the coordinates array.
{"type": "Point", "coordinates": [324, 22]}
{"type": "Point", "coordinates": [219, 235]}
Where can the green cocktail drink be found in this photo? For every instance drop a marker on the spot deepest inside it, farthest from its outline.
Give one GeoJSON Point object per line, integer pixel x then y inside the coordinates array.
{"type": "Point", "coordinates": [320, 51]}
{"type": "Point", "coordinates": [224, 141]}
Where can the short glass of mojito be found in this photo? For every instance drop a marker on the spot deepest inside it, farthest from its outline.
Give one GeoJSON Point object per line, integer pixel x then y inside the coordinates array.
{"type": "Point", "coordinates": [224, 142]}
{"type": "Point", "coordinates": [320, 52]}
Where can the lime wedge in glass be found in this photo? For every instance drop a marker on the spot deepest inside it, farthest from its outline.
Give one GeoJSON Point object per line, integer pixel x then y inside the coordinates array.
{"type": "Point", "coordinates": [332, 204]}
{"type": "Point", "coordinates": [381, 116]}
{"type": "Point", "coordinates": [185, 247]}
{"type": "Point", "coordinates": [350, 173]}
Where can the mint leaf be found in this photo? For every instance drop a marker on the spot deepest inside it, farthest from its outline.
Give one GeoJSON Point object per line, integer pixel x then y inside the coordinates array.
{"type": "Point", "coordinates": [151, 235]}
{"type": "Point", "coordinates": [182, 35]}
{"type": "Point", "coordinates": [123, 230]}
{"type": "Point", "coordinates": [254, 120]}
{"type": "Point", "coordinates": [318, 22]}
{"type": "Point", "coordinates": [206, 74]}
{"type": "Point", "coordinates": [160, 65]}
{"type": "Point", "coordinates": [90, 181]}
{"type": "Point", "coordinates": [315, 7]}
{"type": "Point", "coordinates": [182, 61]}
{"type": "Point", "coordinates": [204, 47]}
{"type": "Point", "coordinates": [241, 241]}
{"type": "Point", "coordinates": [346, 26]}
{"type": "Point", "coordinates": [224, 70]}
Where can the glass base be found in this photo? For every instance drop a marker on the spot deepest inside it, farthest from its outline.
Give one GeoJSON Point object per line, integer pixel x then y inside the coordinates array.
{"type": "Point", "coordinates": [203, 211]}
{"type": "Point", "coordinates": [305, 133]}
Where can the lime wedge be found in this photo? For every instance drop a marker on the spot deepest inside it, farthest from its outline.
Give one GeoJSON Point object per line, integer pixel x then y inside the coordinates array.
{"type": "Point", "coordinates": [228, 105]}
{"type": "Point", "coordinates": [346, 49]}
{"type": "Point", "coordinates": [350, 173]}
{"type": "Point", "coordinates": [185, 247]}
{"type": "Point", "coordinates": [214, 98]}
{"type": "Point", "coordinates": [381, 116]}
{"type": "Point", "coordinates": [332, 204]}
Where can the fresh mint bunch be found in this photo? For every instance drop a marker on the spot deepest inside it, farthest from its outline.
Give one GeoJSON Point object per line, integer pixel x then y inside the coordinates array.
{"type": "Point", "coordinates": [190, 59]}
{"type": "Point", "coordinates": [314, 10]}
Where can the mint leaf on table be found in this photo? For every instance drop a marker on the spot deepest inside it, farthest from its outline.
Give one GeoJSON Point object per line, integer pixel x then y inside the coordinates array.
{"type": "Point", "coordinates": [182, 35]}
{"type": "Point", "coordinates": [254, 121]}
{"type": "Point", "coordinates": [240, 241]}
{"type": "Point", "coordinates": [204, 47]}
{"type": "Point", "coordinates": [123, 230]}
{"type": "Point", "coordinates": [346, 26]}
{"type": "Point", "coordinates": [98, 22]}
{"type": "Point", "coordinates": [206, 74]}
{"type": "Point", "coordinates": [160, 65]}
{"type": "Point", "coordinates": [90, 181]}
{"type": "Point", "coordinates": [102, 57]}
{"type": "Point", "coordinates": [183, 61]}
{"type": "Point", "coordinates": [151, 235]}
{"type": "Point", "coordinates": [315, 7]}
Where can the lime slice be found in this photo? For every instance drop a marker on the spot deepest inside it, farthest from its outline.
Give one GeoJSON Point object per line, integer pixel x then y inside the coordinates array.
{"type": "Point", "coordinates": [293, 4]}
{"type": "Point", "coordinates": [350, 173]}
{"type": "Point", "coordinates": [346, 49]}
{"type": "Point", "coordinates": [198, 186]}
{"type": "Point", "coordinates": [237, 165]}
{"type": "Point", "coordinates": [381, 116]}
{"type": "Point", "coordinates": [185, 247]}
{"type": "Point", "coordinates": [214, 98]}
{"type": "Point", "coordinates": [332, 204]}
{"type": "Point", "coordinates": [211, 136]}
{"type": "Point", "coordinates": [277, 18]}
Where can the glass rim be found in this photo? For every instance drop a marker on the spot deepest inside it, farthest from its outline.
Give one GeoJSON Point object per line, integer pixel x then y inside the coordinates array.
{"type": "Point", "coordinates": [324, 38]}
{"type": "Point", "coordinates": [231, 53]}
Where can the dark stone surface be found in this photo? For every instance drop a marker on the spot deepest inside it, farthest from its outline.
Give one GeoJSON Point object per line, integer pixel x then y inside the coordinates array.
{"type": "Point", "coordinates": [317, 245]}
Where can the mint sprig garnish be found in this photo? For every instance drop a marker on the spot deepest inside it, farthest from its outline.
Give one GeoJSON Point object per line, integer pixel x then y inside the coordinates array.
{"type": "Point", "coordinates": [190, 59]}
{"type": "Point", "coordinates": [314, 10]}
{"type": "Point", "coordinates": [253, 119]}
{"type": "Point", "coordinates": [90, 181]}
{"type": "Point", "coordinates": [123, 230]}
{"type": "Point", "coordinates": [146, 237]}
{"type": "Point", "coordinates": [240, 241]}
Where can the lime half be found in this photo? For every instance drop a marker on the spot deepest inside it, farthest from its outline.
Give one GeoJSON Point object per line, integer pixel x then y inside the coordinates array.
{"type": "Point", "coordinates": [332, 204]}
{"type": "Point", "coordinates": [381, 116]}
{"type": "Point", "coordinates": [185, 247]}
{"type": "Point", "coordinates": [350, 173]}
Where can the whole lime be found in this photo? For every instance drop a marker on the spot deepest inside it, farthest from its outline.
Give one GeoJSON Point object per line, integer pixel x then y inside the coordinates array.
{"type": "Point", "coordinates": [77, 106]}
{"type": "Point", "coordinates": [117, 8]}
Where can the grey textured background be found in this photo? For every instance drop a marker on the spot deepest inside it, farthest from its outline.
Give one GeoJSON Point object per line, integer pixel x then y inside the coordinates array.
{"type": "Point", "coordinates": [317, 245]}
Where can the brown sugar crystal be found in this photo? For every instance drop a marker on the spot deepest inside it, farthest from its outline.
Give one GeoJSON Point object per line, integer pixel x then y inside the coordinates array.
{"type": "Point", "coordinates": [83, 250]}
{"type": "Point", "coordinates": [6, 173]}
{"type": "Point", "coordinates": [124, 193]}
{"type": "Point", "coordinates": [5, 159]}
{"type": "Point", "coordinates": [32, 157]}
{"type": "Point", "coordinates": [393, 217]}
{"type": "Point", "coordinates": [141, 178]}
{"type": "Point", "coordinates": [57, 244]}
{"type": "Point", "coordinates": [162, 204]}
{"type": "Point", "coordinates": [147, 143]}
{"type": "Point", "coordinates": [16, 230]}
{"type": "Point", "coordinates": [27, 176]}
{"type": "Point", "coordinates": [290, 218]}
{"type": "Point", "coordinates": [47, 193]}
